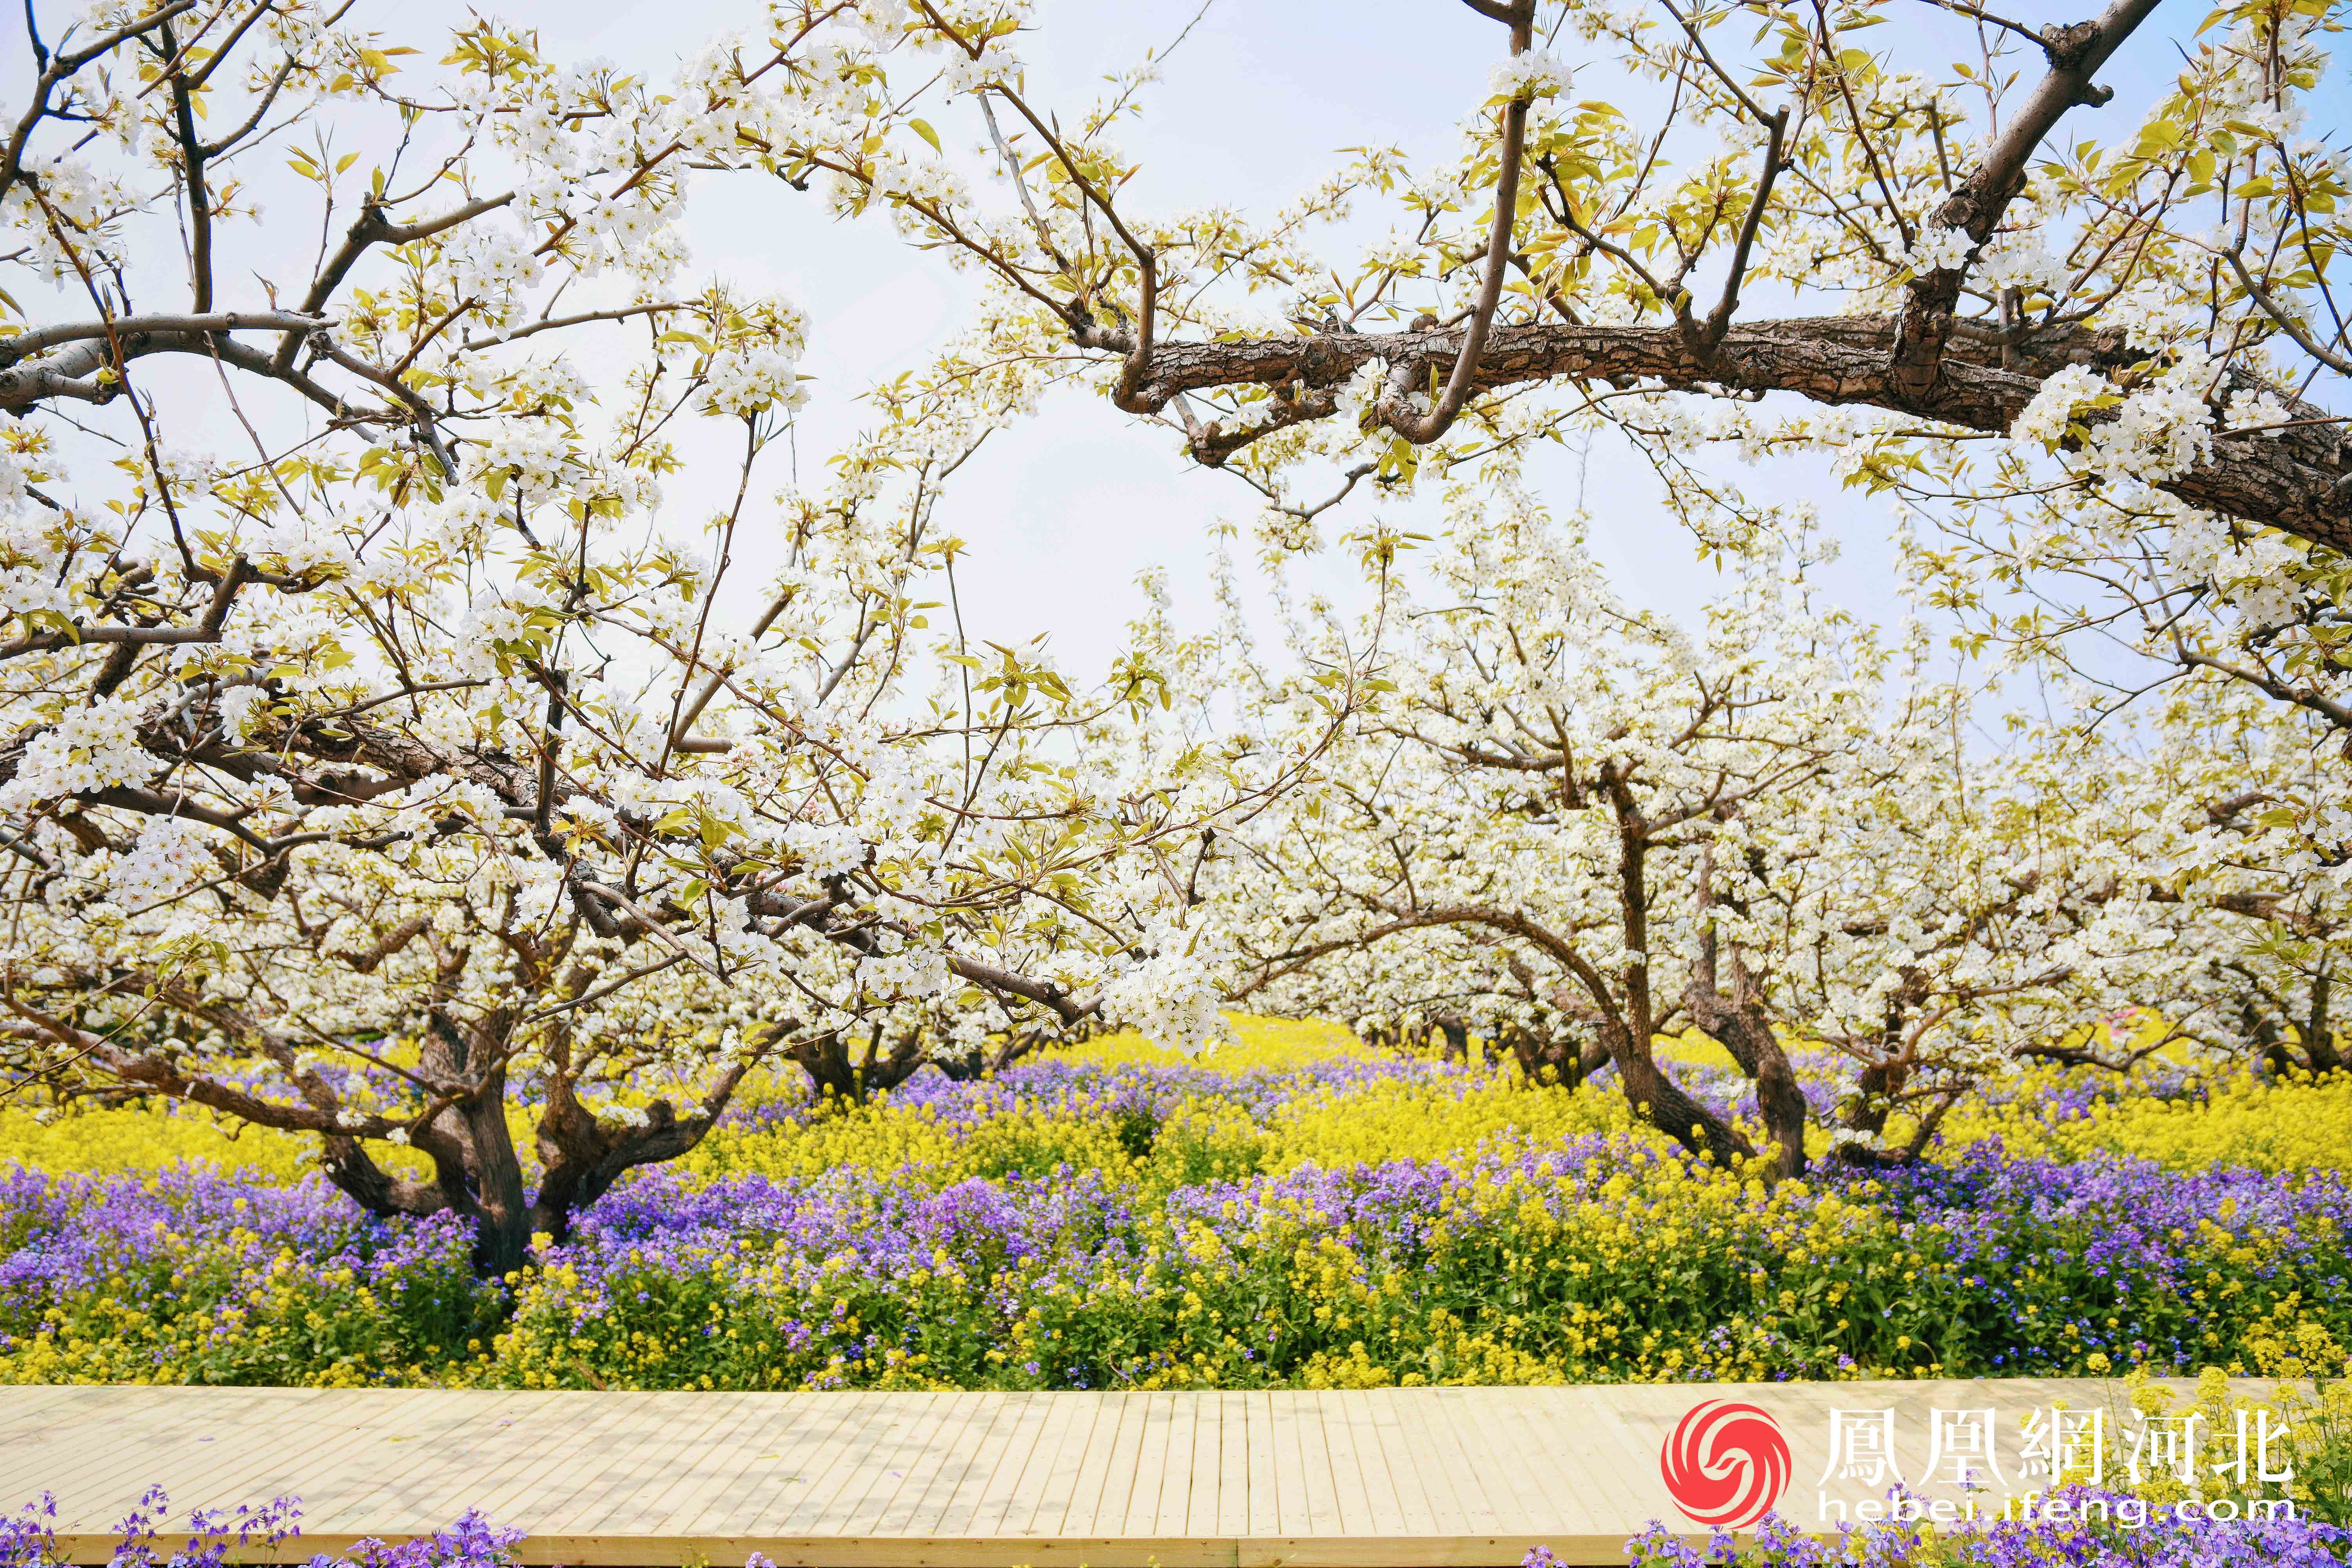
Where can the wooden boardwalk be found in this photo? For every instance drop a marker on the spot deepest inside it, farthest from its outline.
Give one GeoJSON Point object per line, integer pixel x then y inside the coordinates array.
{"type": "Point", "coordinates": [1410, 1476]}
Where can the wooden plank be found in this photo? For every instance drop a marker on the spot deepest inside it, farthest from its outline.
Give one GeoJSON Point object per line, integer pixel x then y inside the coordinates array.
{"type": "Point", "coordinates": [761, 1431]}
{"type": "Point", "coordinates": [1622, 1453]}
{"type": "Point", "coordinates": [1127, 1461]}
{"type": "Point", "coordinates": [1363, 1509]}
{"type": "Point", "coordinates": [1446, 1448]}
{"type": "Point", "coordinates": [980, 1487]}
{"type": "Point", "coordinates": [1564, 1424]}
{"type": "Point", "coordinates": [38, 1424]}
{"type": "Point", "coordinates": [1021, 1494]}
{"type": "Point", "coordinates": [1376, 1417]}
{"type": "Point", "coordinates": [1388, 1511]}
{"type": "Point", "coordinates": [255, 1445]}
{"type": "Point", "coordinates": [1003, 1488]}
{"type": "Point", "coordinates": [75, 1455]}
{"type": "Point", "coordinates": [953, 1515]}
{"type": "Point", "coordinates": [335, 1477]}
{"type": "Point", "coordinates": [1453, 1494]}
{"type": "Point", "coordinates": [1233, 1513]}
{"type": "Point", "coordinates": [1483, 1416]}
{"type": "Point", "coordinates": [930, 1443]}
{"type": "Point", "coordinates": [915, 1508]}
{"type": "Point", "coordinates": [1206, 1464]}
{"type": "Point", "coordinates": [1060, 1449]}
{"type": "Point", "coordinates": [1050, 1509]}
{"type": "Point", "coordinates": [1265, 1506]}
{"type": "Point", "coordinates": [189, 1439]}
{"type": "Point", "coordinates": [25, 1406]}
{"type": "Point", "coordinates": [74, 1447]}
{"type": "Point", "coordinates": [396, 1470]}
{"type": "Point", "coordinates": [517, 1486]}
{"type": "Point", "coordinates": [1151, 1467]}
{"type": "Point", "coordinates": [1314, 1463]}
{"type": "Point", "coordinates": [618, 1491]}
{"type": "Point", "coordinates": [625, 1457]}
{"type": "Point", "coordinates": [1176, 1467]}
{"type": "Point", "coordinates": [777, 1469]}
{"type": "Point", "coordinates": [1104, 1479]}
{"type": "Point", "coordinates": [851, 1460]}
{"type": "Point", "coordinates": [1291, 1512]}
{"type": "Point", "coordinates": [898, 1463]}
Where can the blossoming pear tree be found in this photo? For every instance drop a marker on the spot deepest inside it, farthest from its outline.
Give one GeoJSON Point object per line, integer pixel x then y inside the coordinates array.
{"type": "Point", "coordinates": [2241, 800]}
{"type": "Point", "coordinates": [381, 756]}
{"type": "Point", "coordinates": [1578, 830]}
{"type": "Point", "coordinates": [1962, 911]}
{"type": "Point", "coordinates": [1582, 791]}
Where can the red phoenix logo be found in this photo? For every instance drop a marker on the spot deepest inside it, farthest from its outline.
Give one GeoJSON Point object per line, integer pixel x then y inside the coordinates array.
{"type": "Point", "coordinates": [1726, 1463]}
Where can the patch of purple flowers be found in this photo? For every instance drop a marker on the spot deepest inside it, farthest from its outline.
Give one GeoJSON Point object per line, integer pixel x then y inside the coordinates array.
{"type": "Point", "coordinates": [2161, 1542]}
{"type": "Point", "coordinates": [216, 1538]}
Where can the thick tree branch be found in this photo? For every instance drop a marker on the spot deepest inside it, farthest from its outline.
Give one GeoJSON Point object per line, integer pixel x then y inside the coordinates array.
{"type": "Point", "coordinates": [1421, 430]}
{"type": "Point", "coordinates": [2297, 481]}
{"type": "Point", "coordinates": [2076, 53]}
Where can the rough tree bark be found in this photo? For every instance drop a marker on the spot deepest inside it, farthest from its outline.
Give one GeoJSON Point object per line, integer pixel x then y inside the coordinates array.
{"type": "Point", "coordinates": [2299, 480]}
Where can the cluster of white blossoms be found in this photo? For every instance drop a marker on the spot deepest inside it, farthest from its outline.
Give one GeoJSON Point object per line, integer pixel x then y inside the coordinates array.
{"type": "Point", "coordinates": [1939, 250]}
{"type": "Point", "coordinates": [172, 855]}
{"type": "Point", "coordinates": [1537, 73]}
{"type": "Point", "coordinates": [491, 263]}
{"type": "Point", "coordinates": [83, 200]}
{"type": "Point", "coordinates": [2068, 392]}
{"type": "Point", "coordinates": [1360, 397]}
{"type": "Point", "coordinates": [1173, 997]}
{"type": "Point", "coordinates": [2161, 429]}
{"type": "Point", "coordinates": [2256, 409]}
{"type": "Point", "coordinates": [31, 589]}
{"type": "Point", "coordinates": [751, 381]}
{"type": "Point", "coordinates": [2265, 581]}
{"type": "Point", "coordinates": [31, 551]}
{"type": "Point", "coordinates": [85, 750]}
{"type": "Point", "coordinates": [2016, 259]}
{"type": "Point", "coordinates": [532, 454]}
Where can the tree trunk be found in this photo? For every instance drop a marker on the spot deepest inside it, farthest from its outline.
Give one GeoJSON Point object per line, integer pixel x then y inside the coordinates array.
{"type": "Point", "coordinates": [465, 1169]}
{"type": "Point", "coordinates": [981, 1062]}
{"type": "Point", "coordinates": [1674, 1112]}
{"type": "Point", "coordinates": [1879, 1083]}
{"type": "Point", "coordinates": [842, 1079]}
{"type": "Point", "coordinates": [479, 1175]}
{"type": "Point", "coordinates": [1740, 1025]}
{"type": "Point", "coordinates": [1546, 1057]}
{"type": "Point", "coordinates": [501, 1243]}
{"type": "Point", "coordinates": [2319, 1031]}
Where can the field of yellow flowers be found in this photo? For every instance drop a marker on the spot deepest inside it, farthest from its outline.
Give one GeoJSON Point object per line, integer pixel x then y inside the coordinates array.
{"type": "Point", "coordinates": [1294, 1209]}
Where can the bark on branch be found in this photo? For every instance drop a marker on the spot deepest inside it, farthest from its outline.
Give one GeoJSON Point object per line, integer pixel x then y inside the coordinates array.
{"type": "Point", "coordinates": [2074, 53]}
{"type": "Point", "coordinates": [2300, 480]}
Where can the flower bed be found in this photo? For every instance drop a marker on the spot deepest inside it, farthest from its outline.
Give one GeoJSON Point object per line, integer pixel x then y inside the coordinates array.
{"type": "Point", "coordinates": [1343, 1220]}
{"type": "Point", "coordinates": [2159, 1542]}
